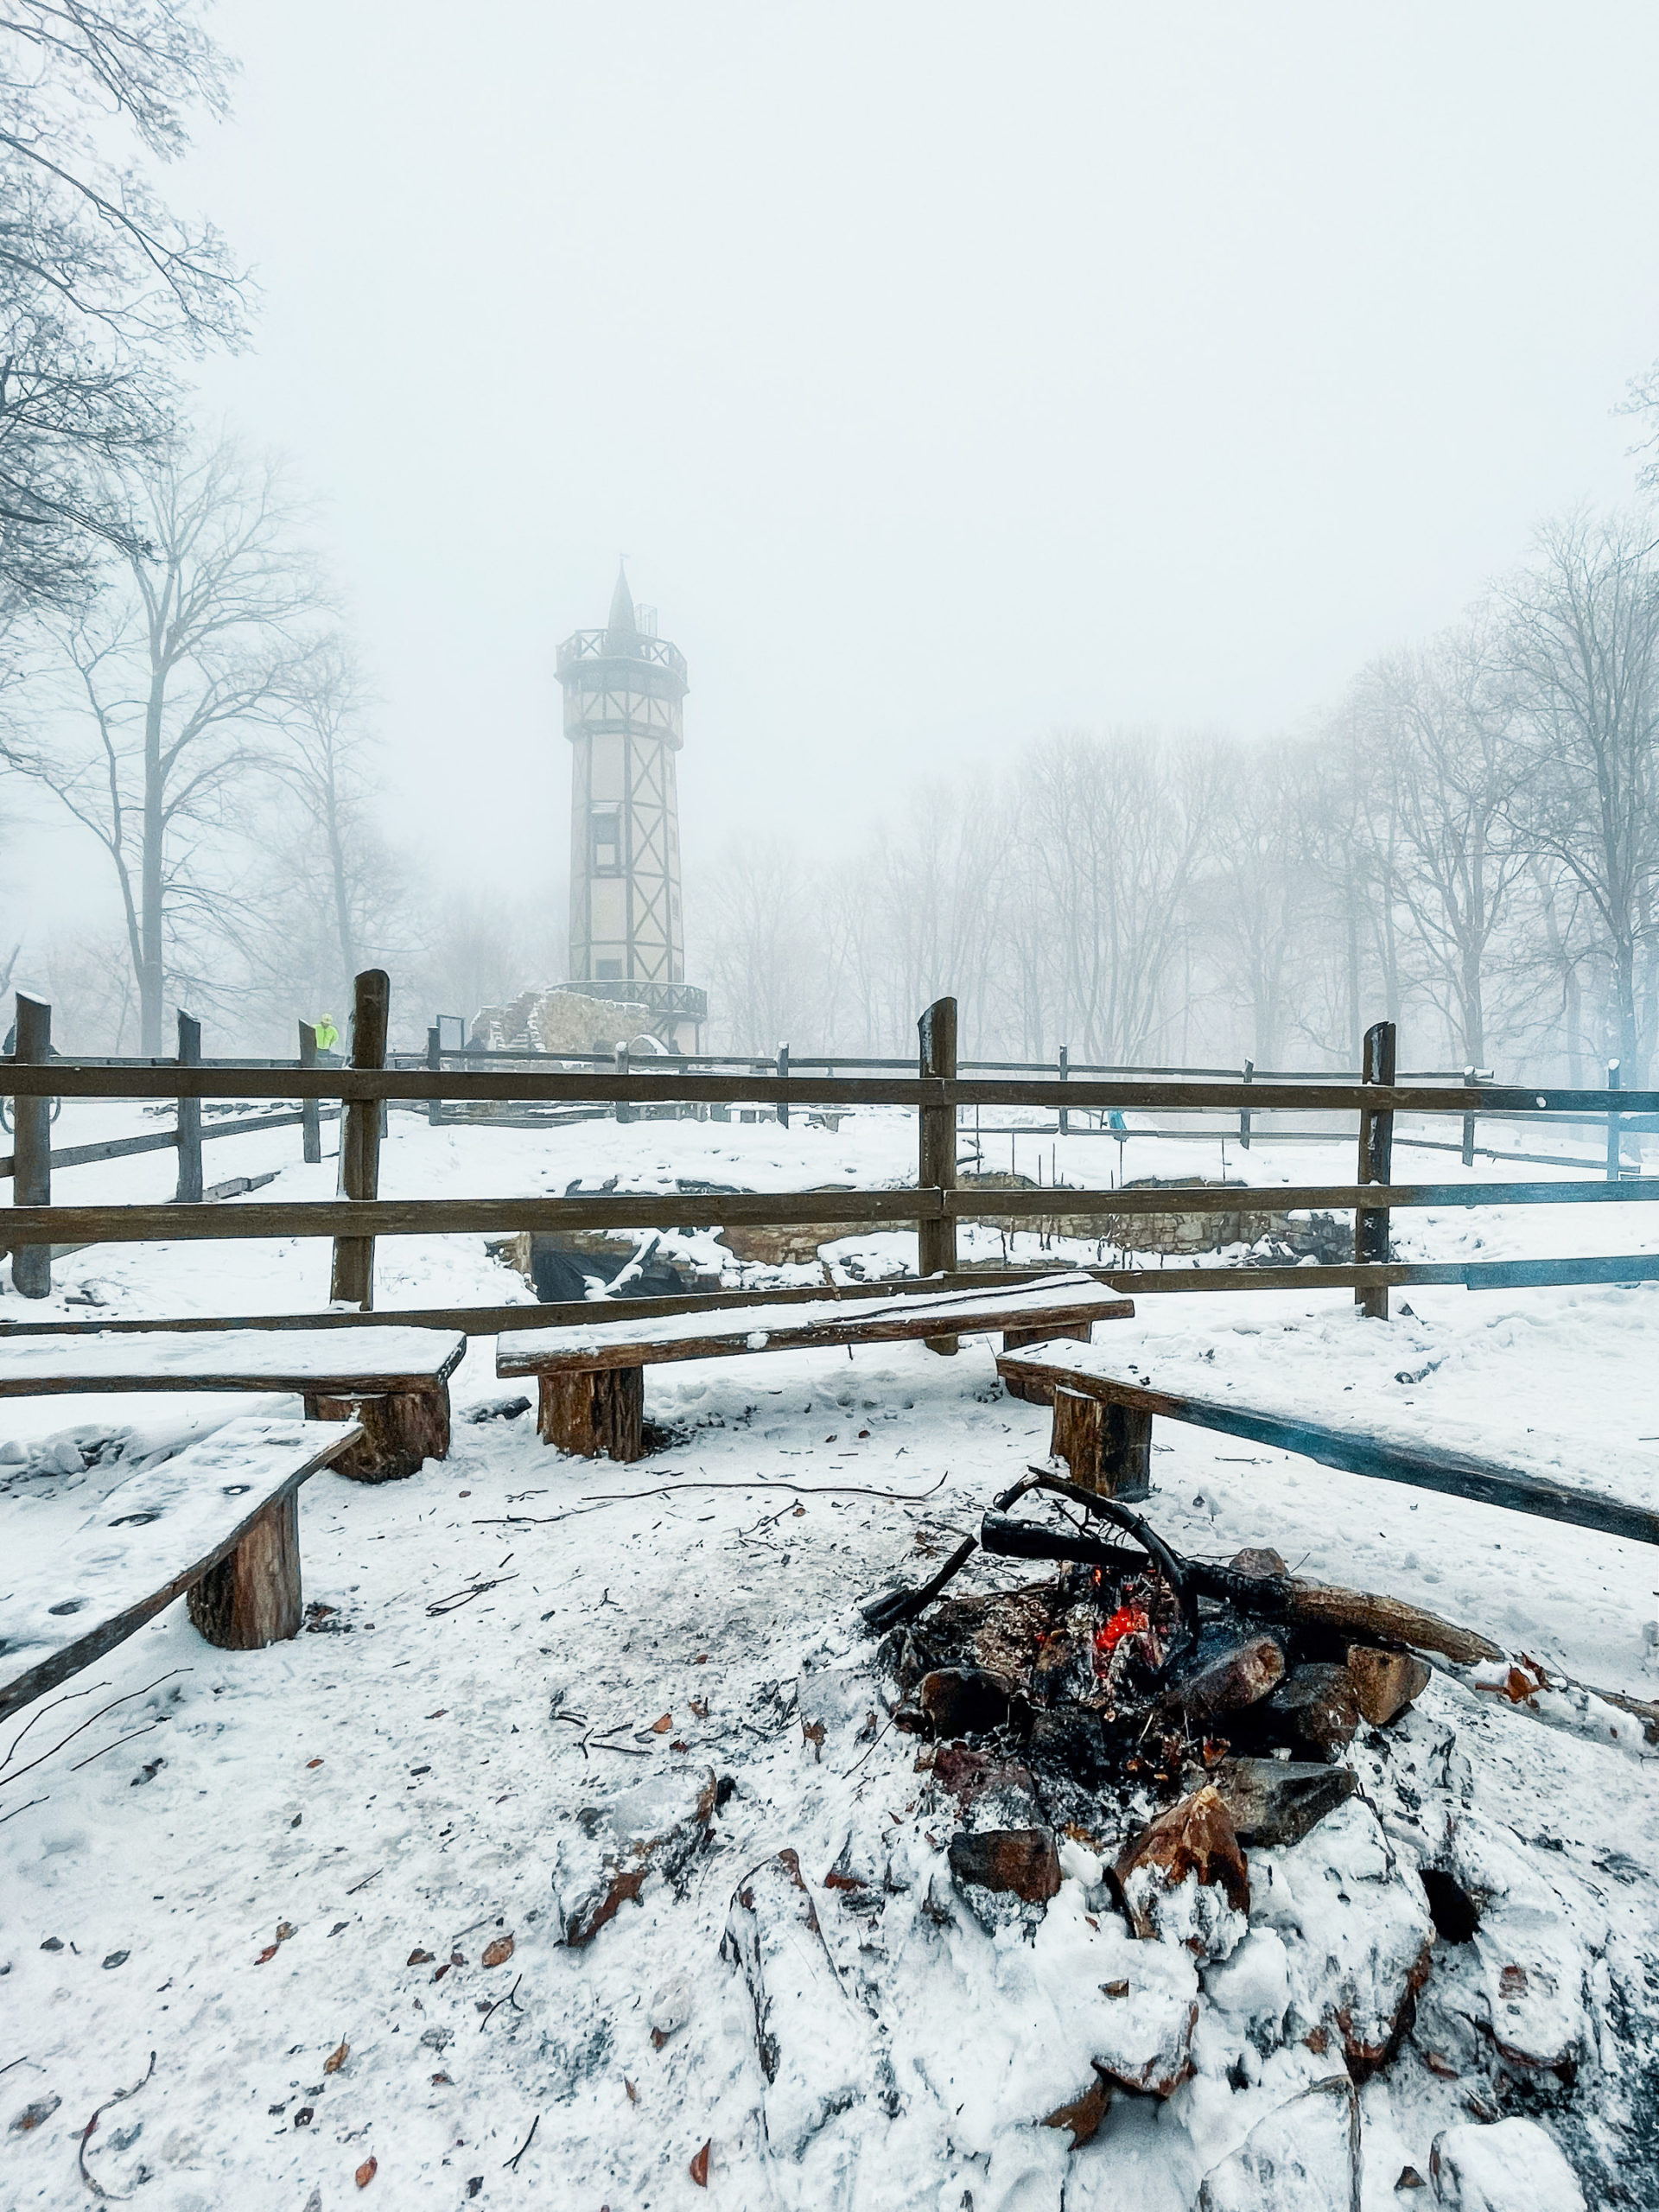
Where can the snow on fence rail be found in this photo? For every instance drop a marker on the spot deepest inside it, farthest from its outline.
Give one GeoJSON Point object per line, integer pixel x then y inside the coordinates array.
{"type": "Point", "coordinates": [935, 1205]}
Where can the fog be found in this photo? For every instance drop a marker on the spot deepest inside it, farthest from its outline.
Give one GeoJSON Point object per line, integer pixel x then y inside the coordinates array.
{"type": "Point", "coordinates": [949, 377]}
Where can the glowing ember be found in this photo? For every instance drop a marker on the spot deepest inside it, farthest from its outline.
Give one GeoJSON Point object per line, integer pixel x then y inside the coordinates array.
{"type": "Point", "coordinates": [1127, 1620]}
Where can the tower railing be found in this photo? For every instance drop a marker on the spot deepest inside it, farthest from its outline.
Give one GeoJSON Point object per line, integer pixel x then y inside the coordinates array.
{"type": "Point", "coordinates": [590, 645]}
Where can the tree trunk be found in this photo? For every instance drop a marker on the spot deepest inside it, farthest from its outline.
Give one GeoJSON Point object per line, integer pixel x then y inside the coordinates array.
{"type": "Point", "coordinates": [152, 966]}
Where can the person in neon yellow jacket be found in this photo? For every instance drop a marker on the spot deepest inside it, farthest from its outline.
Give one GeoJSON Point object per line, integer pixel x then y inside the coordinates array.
{"type": "Point", "coordinates": [328, 1036]}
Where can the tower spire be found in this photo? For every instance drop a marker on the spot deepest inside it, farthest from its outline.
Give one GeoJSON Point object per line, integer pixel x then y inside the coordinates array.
{"type": "Point", "coordinates": [621, 627]}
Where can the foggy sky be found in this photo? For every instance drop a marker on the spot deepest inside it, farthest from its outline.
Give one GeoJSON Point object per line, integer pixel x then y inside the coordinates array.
{"type": "Point", "coordinates": [949, 374]}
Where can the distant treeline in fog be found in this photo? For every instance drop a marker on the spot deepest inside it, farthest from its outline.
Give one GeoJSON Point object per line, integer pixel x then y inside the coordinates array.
{"type": "Point", "coordinates": [1470, 845]}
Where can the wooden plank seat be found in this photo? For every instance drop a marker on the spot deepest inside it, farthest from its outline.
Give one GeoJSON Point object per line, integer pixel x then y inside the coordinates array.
{"type": "Point", "coordinates": [592, 1375]}
{"type": "Point", "coordinates": [220, 1520]}
{"type": "Point", "coordinates": [1102, 1429]}
{"type": "Point", "coordinates": [393, 1383]}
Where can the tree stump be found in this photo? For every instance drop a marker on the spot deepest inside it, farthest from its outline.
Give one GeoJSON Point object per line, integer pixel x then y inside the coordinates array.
{"type": "Point", "coordinates": [596, 1412]}
{"type": "Point", "coordinates": [1107, 1448]}
{"type": "Point", "coordinates": [252, 1596]}
{"type": "Point", "coordinates": [1037, 1394]}
{"type": "Point", "coordinates": [401, 1429]}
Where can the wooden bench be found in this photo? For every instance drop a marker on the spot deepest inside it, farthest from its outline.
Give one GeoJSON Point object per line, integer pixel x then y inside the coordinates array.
{"type": "Point", "coordinates": [219, 1521]}
{"type": "Point", "coordinates": [393, 1383]}
{"type": "Point", "coordinates": [1102, 1429]}
{"type": "Point", "coordinates": [592, 1377]}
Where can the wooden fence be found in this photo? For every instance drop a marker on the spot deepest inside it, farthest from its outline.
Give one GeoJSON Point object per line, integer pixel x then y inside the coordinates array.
{"type": "Point", "coordinates": [937, 1093]}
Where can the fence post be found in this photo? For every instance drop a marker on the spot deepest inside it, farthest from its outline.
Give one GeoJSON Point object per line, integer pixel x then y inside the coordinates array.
{"type": "Point", "coordinates": [353, 1279]}
{"type": "Point", "coordinates": [1066, 1069]}
{"type": "Point", "coordinates": [936, 1240]}
{"type": "Point", "coordinates": [31, 1121]}
{"type": "Point", "coordinates": [783, 1077]}
{"type": "Point", "coordinates": [1469, 1124]}
{"type": "Point", "coordinates": [1615, 1147]}
{"type": "Point", "coordinates": [434, 1060]}
{"type": "Point", "coordinates": [1376, 1166]}
{"type": "Point", "coordinates": [1244, 1111]}
{"type": "Point", "coordinates": [310, 1108]}
{"type": "Point", "coordinates": [624, 1111]}
{"type": "Point", "coordinates": [189, 1117]}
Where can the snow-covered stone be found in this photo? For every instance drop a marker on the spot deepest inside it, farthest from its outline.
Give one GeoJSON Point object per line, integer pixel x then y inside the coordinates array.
{"type": "Point", "coordinates": [656, 1825]}
{"type": "Point", "coordinates": [1518, 1986]}
{"type": "Point", "coordinates": [1303, 2157]}
{"type": "Point", "coordinates": [812, 2044]}
{"type": "Point", "coordinates": [1510, 2166]}
{"type": "Point", "coordinates": [1184, 1879]}
{"type": "Point", "coordinates": [1356, 1929]}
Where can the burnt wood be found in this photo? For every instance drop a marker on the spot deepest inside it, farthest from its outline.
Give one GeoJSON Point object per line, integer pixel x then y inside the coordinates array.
{"type": "Point", "coordinates": [1420, 1467]}
{"type": "Point", "coordinates": [1266, 1597]}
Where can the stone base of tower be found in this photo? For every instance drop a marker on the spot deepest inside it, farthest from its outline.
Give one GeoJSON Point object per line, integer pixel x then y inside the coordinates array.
{"type": "Point", "coordinates": [594, 1017]}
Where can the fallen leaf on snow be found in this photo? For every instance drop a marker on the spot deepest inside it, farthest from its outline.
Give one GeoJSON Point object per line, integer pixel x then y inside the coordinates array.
{"type": "Point", "coordinates": [311, 1763]}
{"type": "Point", "coordinates": [633, 2094]}
{"type": "Point", "coordinates": [700, 2165]}
{"type": "Point", "coordinates": [336, 2059]}
{"type": "Point", "coordinates": [661, 1727]}
{"type": "Point", "coordinates": [366, 2172]}
{"type": "Point", "coordinates": [419, 1959]}
{"type": "Point", "coordinates": [270, 1952]}
{"type": "Point", "coordinates": [498, 1954]}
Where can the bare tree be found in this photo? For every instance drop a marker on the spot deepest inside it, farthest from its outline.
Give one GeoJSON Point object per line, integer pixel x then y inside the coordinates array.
{"type": "Point", "coordinates": [150, 718]}
{"type": "Point", "coordinates": [1118, 828]}
{"type": "Point", "coordinates": [101, 284]}
{"type": "Point", "coordinates": [1582, 647]}
{"type": "Point", "coordinates": [339, 890]}
{"type": "Point", "coordinates": [1434, 725]}
{"type": "Point", "coordinates": [765, 970]}
{"type": "Point", "coordinates": [1265, 896]}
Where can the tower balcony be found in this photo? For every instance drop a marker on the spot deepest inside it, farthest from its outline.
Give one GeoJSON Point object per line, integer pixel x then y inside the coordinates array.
{"type": "Point", "coordinates": [591, 645]}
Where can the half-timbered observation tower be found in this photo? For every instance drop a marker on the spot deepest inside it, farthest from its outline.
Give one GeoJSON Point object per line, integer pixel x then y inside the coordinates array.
{"type": "Point", "coordinates": [623, 690]}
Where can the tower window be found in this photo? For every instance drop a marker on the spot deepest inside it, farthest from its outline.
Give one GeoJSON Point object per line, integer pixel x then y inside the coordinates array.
{"type": "Point", "coordinates": [606, 848]}
{"type": "Point", "coordinates": [608, 971]}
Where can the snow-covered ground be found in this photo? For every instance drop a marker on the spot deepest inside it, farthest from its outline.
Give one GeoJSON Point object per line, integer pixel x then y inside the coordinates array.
{"type": "Point", "coordinates": [234, 1868]}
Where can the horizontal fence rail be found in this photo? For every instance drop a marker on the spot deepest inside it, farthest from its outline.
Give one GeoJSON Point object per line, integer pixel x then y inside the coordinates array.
{"type": "Point", "coordinates": [85, 1079]}
{"type": "Point", "coordinates": [146, 1224]}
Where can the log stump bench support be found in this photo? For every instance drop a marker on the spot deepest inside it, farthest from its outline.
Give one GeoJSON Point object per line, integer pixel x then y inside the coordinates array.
{"type": "Point", "coordinates": [218, 1523]}
{"type": "Point", "coordinates": [592, 1378]}
{"type": "Point", "coordinates": [391, 1383]}
{"type": "Point", "coordinates": [1109, 1449]}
